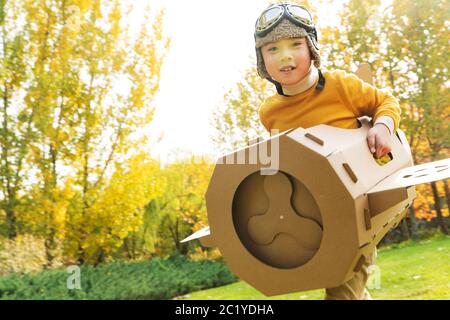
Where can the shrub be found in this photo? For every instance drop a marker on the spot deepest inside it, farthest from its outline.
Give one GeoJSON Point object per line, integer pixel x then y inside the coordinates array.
{"type": "Point", "coordinates": [153, 279]}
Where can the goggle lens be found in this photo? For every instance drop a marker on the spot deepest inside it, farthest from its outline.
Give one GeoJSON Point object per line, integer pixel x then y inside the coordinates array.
{"type": "Point", "coordinates": [269, 17]}
{"type": "Point", "coordinates": [300, 14]}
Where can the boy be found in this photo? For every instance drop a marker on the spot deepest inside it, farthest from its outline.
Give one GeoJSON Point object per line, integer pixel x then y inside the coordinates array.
{"type": "Point", "coordinates": [288, 56]}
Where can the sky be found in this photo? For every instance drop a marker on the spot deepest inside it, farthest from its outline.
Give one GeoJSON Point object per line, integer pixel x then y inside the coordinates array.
{"type": "Point", "coordinates": [212, 45]}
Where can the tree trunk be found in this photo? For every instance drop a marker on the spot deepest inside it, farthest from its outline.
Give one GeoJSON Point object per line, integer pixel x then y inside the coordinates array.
{"type": "Point", "coordinates": [100, 257]}
{"type": "Point", "coordinates": [6, 170]}
{"type": "Point", "coordinates": [49, 248]}
{"type": "Point", "coordinates": [447, 194]}
{"type": "Point", "coordinates": [437, 206]}
{"type": "Point", "coordinates": [404, 229]}
{"type": "Point", "coordinates": [11, 222]}
{"type": "Point", "coordinates": [413, 222]}
{"type": "Point", "coordinates": [80, 259]}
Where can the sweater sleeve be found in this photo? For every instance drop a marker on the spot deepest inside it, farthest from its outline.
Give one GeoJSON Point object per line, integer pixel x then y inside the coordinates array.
{"type": "Point", "coordinates": [368, 100]}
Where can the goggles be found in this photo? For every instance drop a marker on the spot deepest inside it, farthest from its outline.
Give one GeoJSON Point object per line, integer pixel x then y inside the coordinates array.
{"type": "Point", "coordinates": [270, 18]}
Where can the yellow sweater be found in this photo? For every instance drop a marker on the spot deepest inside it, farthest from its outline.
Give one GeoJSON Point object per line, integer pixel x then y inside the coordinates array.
{"type": "Point", "coordinates": [344, 98]}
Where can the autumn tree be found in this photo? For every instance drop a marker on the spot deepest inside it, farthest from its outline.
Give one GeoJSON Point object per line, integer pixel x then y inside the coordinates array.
{"type": "Point", "coordinates": [236, 121]}
{"type": "Point", "coordinates": [182, 206]}
{"type": "Point", "coordinates": [418, 42]}
{"type": "Point", "coordinates": [15, 127]}
{"type": "Point", "coordinates": [77, 101]}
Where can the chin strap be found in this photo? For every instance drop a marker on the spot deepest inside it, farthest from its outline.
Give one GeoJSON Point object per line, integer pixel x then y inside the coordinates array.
{"type": "Point", "coordinates": [277, 86]}
{"type": "Point", "coordinates": [321, 82]}
{"type": "Point", "coordinates": [319, 87]}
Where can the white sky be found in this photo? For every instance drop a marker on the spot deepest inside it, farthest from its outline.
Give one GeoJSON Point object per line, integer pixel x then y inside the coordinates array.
{"type": "Point", "coordinates": [212, 45]}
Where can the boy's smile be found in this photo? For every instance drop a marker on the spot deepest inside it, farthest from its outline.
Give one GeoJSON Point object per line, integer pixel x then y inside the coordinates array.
{"type": "Point", "coordinates": [288, 60]}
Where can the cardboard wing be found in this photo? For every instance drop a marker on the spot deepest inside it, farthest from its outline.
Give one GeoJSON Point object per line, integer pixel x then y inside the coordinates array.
{"type": "Point", "coordinates": [393, 189]}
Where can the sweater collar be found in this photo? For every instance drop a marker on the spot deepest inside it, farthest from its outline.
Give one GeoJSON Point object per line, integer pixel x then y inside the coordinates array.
{"type": "Point", "coordinates": [307, 82]}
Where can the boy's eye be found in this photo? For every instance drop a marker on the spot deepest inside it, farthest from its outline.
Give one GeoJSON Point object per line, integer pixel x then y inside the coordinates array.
{"type": "Point", "coordinates": [298, 43]}
{"type": "Point", "coordinates": [272, 49]}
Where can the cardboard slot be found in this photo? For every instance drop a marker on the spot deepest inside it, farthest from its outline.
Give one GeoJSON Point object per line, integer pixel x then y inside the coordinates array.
{"type": "Point", "coordinates": [350, 172]}
{"type": "Point", "coordinates": [360, 263]}
{"type": "Point", "coordinates": [314, 138]}
{"type": "Point", "coordinates": [367, 218]}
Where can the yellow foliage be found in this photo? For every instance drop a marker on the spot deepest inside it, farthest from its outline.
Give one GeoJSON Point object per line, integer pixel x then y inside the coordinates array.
{"type": "Point", "coordinates": [205, 254]}
{"type": "Point", "coordinates": [118, 209]}
{"type": "Point", "coordinates": [24, 254]}
{"type": "Point", "coordinates": [424, 200]}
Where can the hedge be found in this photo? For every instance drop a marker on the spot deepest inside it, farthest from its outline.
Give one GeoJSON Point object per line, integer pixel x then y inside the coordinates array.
{"type": "Point", "coordinates": [153, 279]}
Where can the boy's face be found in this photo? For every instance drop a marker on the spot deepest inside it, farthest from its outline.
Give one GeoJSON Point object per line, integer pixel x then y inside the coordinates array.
{"type": "Point", "coordinates": [288, 60]}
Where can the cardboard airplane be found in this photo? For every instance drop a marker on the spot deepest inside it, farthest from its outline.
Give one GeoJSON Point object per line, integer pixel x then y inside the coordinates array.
{"type": "Point", "coordinates": [313, 221]}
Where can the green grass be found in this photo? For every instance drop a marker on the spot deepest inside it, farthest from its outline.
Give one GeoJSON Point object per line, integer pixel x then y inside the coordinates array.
{"type": "Point", "coordinates": [410, 270]}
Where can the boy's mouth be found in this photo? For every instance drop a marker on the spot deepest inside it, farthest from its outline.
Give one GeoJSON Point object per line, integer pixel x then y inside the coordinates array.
{"type": "Point", "coordinates": [287, 68]}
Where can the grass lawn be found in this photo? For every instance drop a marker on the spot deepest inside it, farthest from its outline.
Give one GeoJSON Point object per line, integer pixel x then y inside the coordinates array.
{"type": "Point", "coordinates": [410, 270]}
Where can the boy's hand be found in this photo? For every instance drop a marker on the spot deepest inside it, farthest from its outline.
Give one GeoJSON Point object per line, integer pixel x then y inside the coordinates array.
{"type": "Point", "coordinates": [379, 140]}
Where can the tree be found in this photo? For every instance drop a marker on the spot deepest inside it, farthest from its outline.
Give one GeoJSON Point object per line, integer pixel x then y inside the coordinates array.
{"type": "Point", "coordinates": [419, 41]}
{"type": "Point", "coordinates": [183, 206]}
{"type": "Point", "coordinates": [77, 98]}
{"type": "Point", "coordinates": [355, 39]}
{"type": "Point", "coordinates": [236, 122]}
{"type": "Point", "coordinates": [14, 127]}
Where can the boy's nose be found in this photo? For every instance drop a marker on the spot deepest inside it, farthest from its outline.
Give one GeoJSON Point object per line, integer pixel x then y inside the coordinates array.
{"type": "Point", "coordinates": [286, 57]}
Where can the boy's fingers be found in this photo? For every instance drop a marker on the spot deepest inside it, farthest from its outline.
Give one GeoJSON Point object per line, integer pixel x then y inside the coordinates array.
{"type": "Point", "coordinates": [371, 142]}
{"type": "Point", "coordinates": [379, 147]}
{"type": "Point", "coordinates": [380, 152]}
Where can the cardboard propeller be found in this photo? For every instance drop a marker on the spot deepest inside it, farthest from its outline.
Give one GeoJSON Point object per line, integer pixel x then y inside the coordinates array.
{"type": "Point", "coordinates": [313, 221]}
